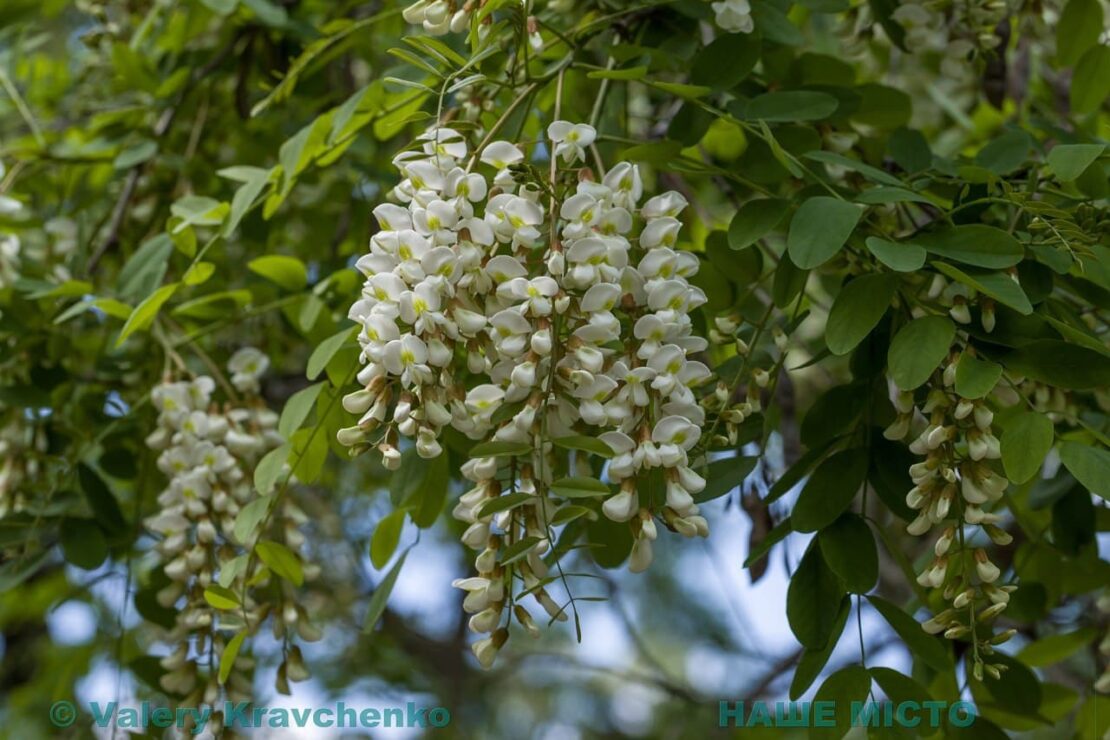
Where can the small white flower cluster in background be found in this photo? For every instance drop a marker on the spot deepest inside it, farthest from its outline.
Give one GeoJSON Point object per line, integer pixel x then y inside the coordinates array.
{"type": "Point", "coordinates": [952, 487]}
{"type": "Point", "coordinates": [734, 16]}
{"type": "Point", "coordinates": [208, 452]}
{"type": "Point", "coordinates": [479, 314]}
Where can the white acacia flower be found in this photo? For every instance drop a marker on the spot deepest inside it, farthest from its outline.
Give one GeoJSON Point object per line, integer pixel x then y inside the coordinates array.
{"type": "Point", "coordinates": [734, 16]}
{"type": "Point", "coordinates": [536, 294]}
{"type": "Point", "coordinates": [502, 154]}
{"type": "Point", "coordinates": [571, 139]}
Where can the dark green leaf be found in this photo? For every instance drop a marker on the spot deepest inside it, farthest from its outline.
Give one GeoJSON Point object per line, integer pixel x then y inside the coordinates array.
{"type": "Point", "coordinates": [830, 490]}
{"type": "Point", "coordinates": [819, 229]}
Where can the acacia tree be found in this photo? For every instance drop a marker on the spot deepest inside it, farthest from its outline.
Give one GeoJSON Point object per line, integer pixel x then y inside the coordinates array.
{"type": "Point", "coordinates": [563, 281]}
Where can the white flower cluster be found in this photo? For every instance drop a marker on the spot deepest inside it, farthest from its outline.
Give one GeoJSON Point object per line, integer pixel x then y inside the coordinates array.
{"type": "Point", "coordinates": [480, 314]}
{"type": "Point", "coordinates": [208, 453]}
{"type": "Point", "coordinates": [953, 486]}
{"type": "Point", "coordinates": [734, 16]}
{"type": "Point", "coordinates": [440, 17]}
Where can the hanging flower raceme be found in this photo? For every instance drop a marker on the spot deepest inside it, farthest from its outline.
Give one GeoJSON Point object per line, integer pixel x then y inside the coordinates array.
{"type": "Point", "coordinates": [955, 490]}
{"type": "Point", "coordinates": [485, 312]}
{"type": "Point", "coordinates": [208, 451]}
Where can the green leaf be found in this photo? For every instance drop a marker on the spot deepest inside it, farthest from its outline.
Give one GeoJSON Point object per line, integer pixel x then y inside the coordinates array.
{"type": "Point", "coordinates": [144, 314]}
{"type": "Point", "coordinates": [83, 543]}
{"type": "Point", "coordinates": [903, 257]}
{"type": "Point", "coordinates": [857, 309]}
{"type": "Point", "coordinates": [1055, 648]}
{"type": "Point", "coordinates": [819, 229]}
{"type": "Point", "coordinates": [386, 536]}
{"type": "Point", "coordinates": [790, 105]}
{"type": "Point", "coordinates": [726, 61]}
{"type": "Point", "coordinates": [570, 512]}
{"type": "Point", "coordinates": [583, 444]}
{"type": "Point", "coordinates": [221, 597]}
{"type": "Point", "coordinates": [812, 600]}
{"type": "Point", "coordinates": [504, 502]}
{"type": "Point", "coordinates": [680, 90]}
{"type": "Point", "coordinates": [198, 273]}
{"type": "Point", "coordinates": [871, 173]}
{"type": "Point", "coordinates": [326, 350]}
{"type": "Point", "coordinates": [1005, 153]}
{"type": "Point", "coordinates": [973, 244]}
{"type": "Point", "coordinates": [775, 536]}
{"type": "Point", "coordinates": [976, 378]}
{"type": "Point", "coordinates": [1090, 83]}
{"type": "Point", "coordinates": [297, 409]}
{"type": "Point", "coordinates": [724, 476]}
{"type": "Point", "coordinates": [628, 73]}
{"type": "Point", "coordinates": [426, 502]}
{"type": "Point", "coordinates": [102, 503]}
{"type": "Point", "coordinates": [830, 490]}
{"type": "Point", "coordinates": [1026, 441]}
{"type": "Point", "coordinates": [849, 549]}
{"type": "Point", "coordinates": [932, 651]}
{"type": "Point", "coordinates": [281, 560]}
{"type": "Point", "coordinates": [144, 271]}
{"type": "Point", "coordinates": [230, 653]}
{"type": "Point", "coordinates": [500, 449]}
{"type": "Point", "coordinates": [196, 210]}
{"type": "Point", "coordinates": [918, 349]}
{"type": "Point", "coordinates": [797, 471]}
{"type": "Point", "coordinates": [849, 685]}
{"type": "Point", "coordinates": [813, 660]}
{"type": "Point", "coordinates": [881, 195]}
{"type": "Point", "coordinates": [135, 155]}
{"type": "Point", "coordinates": [900, 688]}
{"type": "Point", "coordinates": [579, 488]}
{"type": "Point", "coordinates": [1058, 363]}
{"type": "Point", "coordinates": [755, 220]}
{"type": "Point", "coordinates": [1077, 30]}
{"type": "Point", "coordinates": [288, 272]}
{"type": "Point", "coordinates": [997, 285]}
{"type": "Point", "coordinates": [1069, 161]}
{"type": "Point", "coordinates": [380, 598]}
{"type": "Point", "coordinates": [254, 180]}
{"type": "Point", "coordinates": [518, 550]}
{"type": "Point", "coordinates": [1090, 466]}
{"type": "Point", "coordinates": [270, 468]}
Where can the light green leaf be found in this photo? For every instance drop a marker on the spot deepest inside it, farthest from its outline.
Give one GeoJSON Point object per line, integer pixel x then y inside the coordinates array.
{"type": "Point", "coordinates": [628, 73]}
{"type": "Point", "coordinates": [269, 468]}
{"type": "Point", "coordinates": [976, 378]}
{"type": "Point", "coordinates": [198, 273]}
{"type": "Point", "coordinates": [326, 350]}
{"type": "Point", "coordinates": [143, 315]}
{"type": "Point", "coordinates": [196, 210]}
{"type": "Point", "coordinates": [857, 309]}
{"type": "Point", "coordinates": [819, 229]}
{"type": "Point", "coordinates": [221, 597]}
{"type": "Point", "coordinates": [386, 536]}
{"type": "Point", "coordinates": [281, 560]}
{"type": "Point", "coordinates": [249, 517]}
{"type": "Point", "coordinates": [288, 272]}
{"type": "Point", "coordinates": [1055, 648]}
{"type": "Point", "coordinates": [297, 408]}
{"type": "Point", "coordinates": [230, 653]}
{"type": "Point", "coordinates": [918, 349]}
